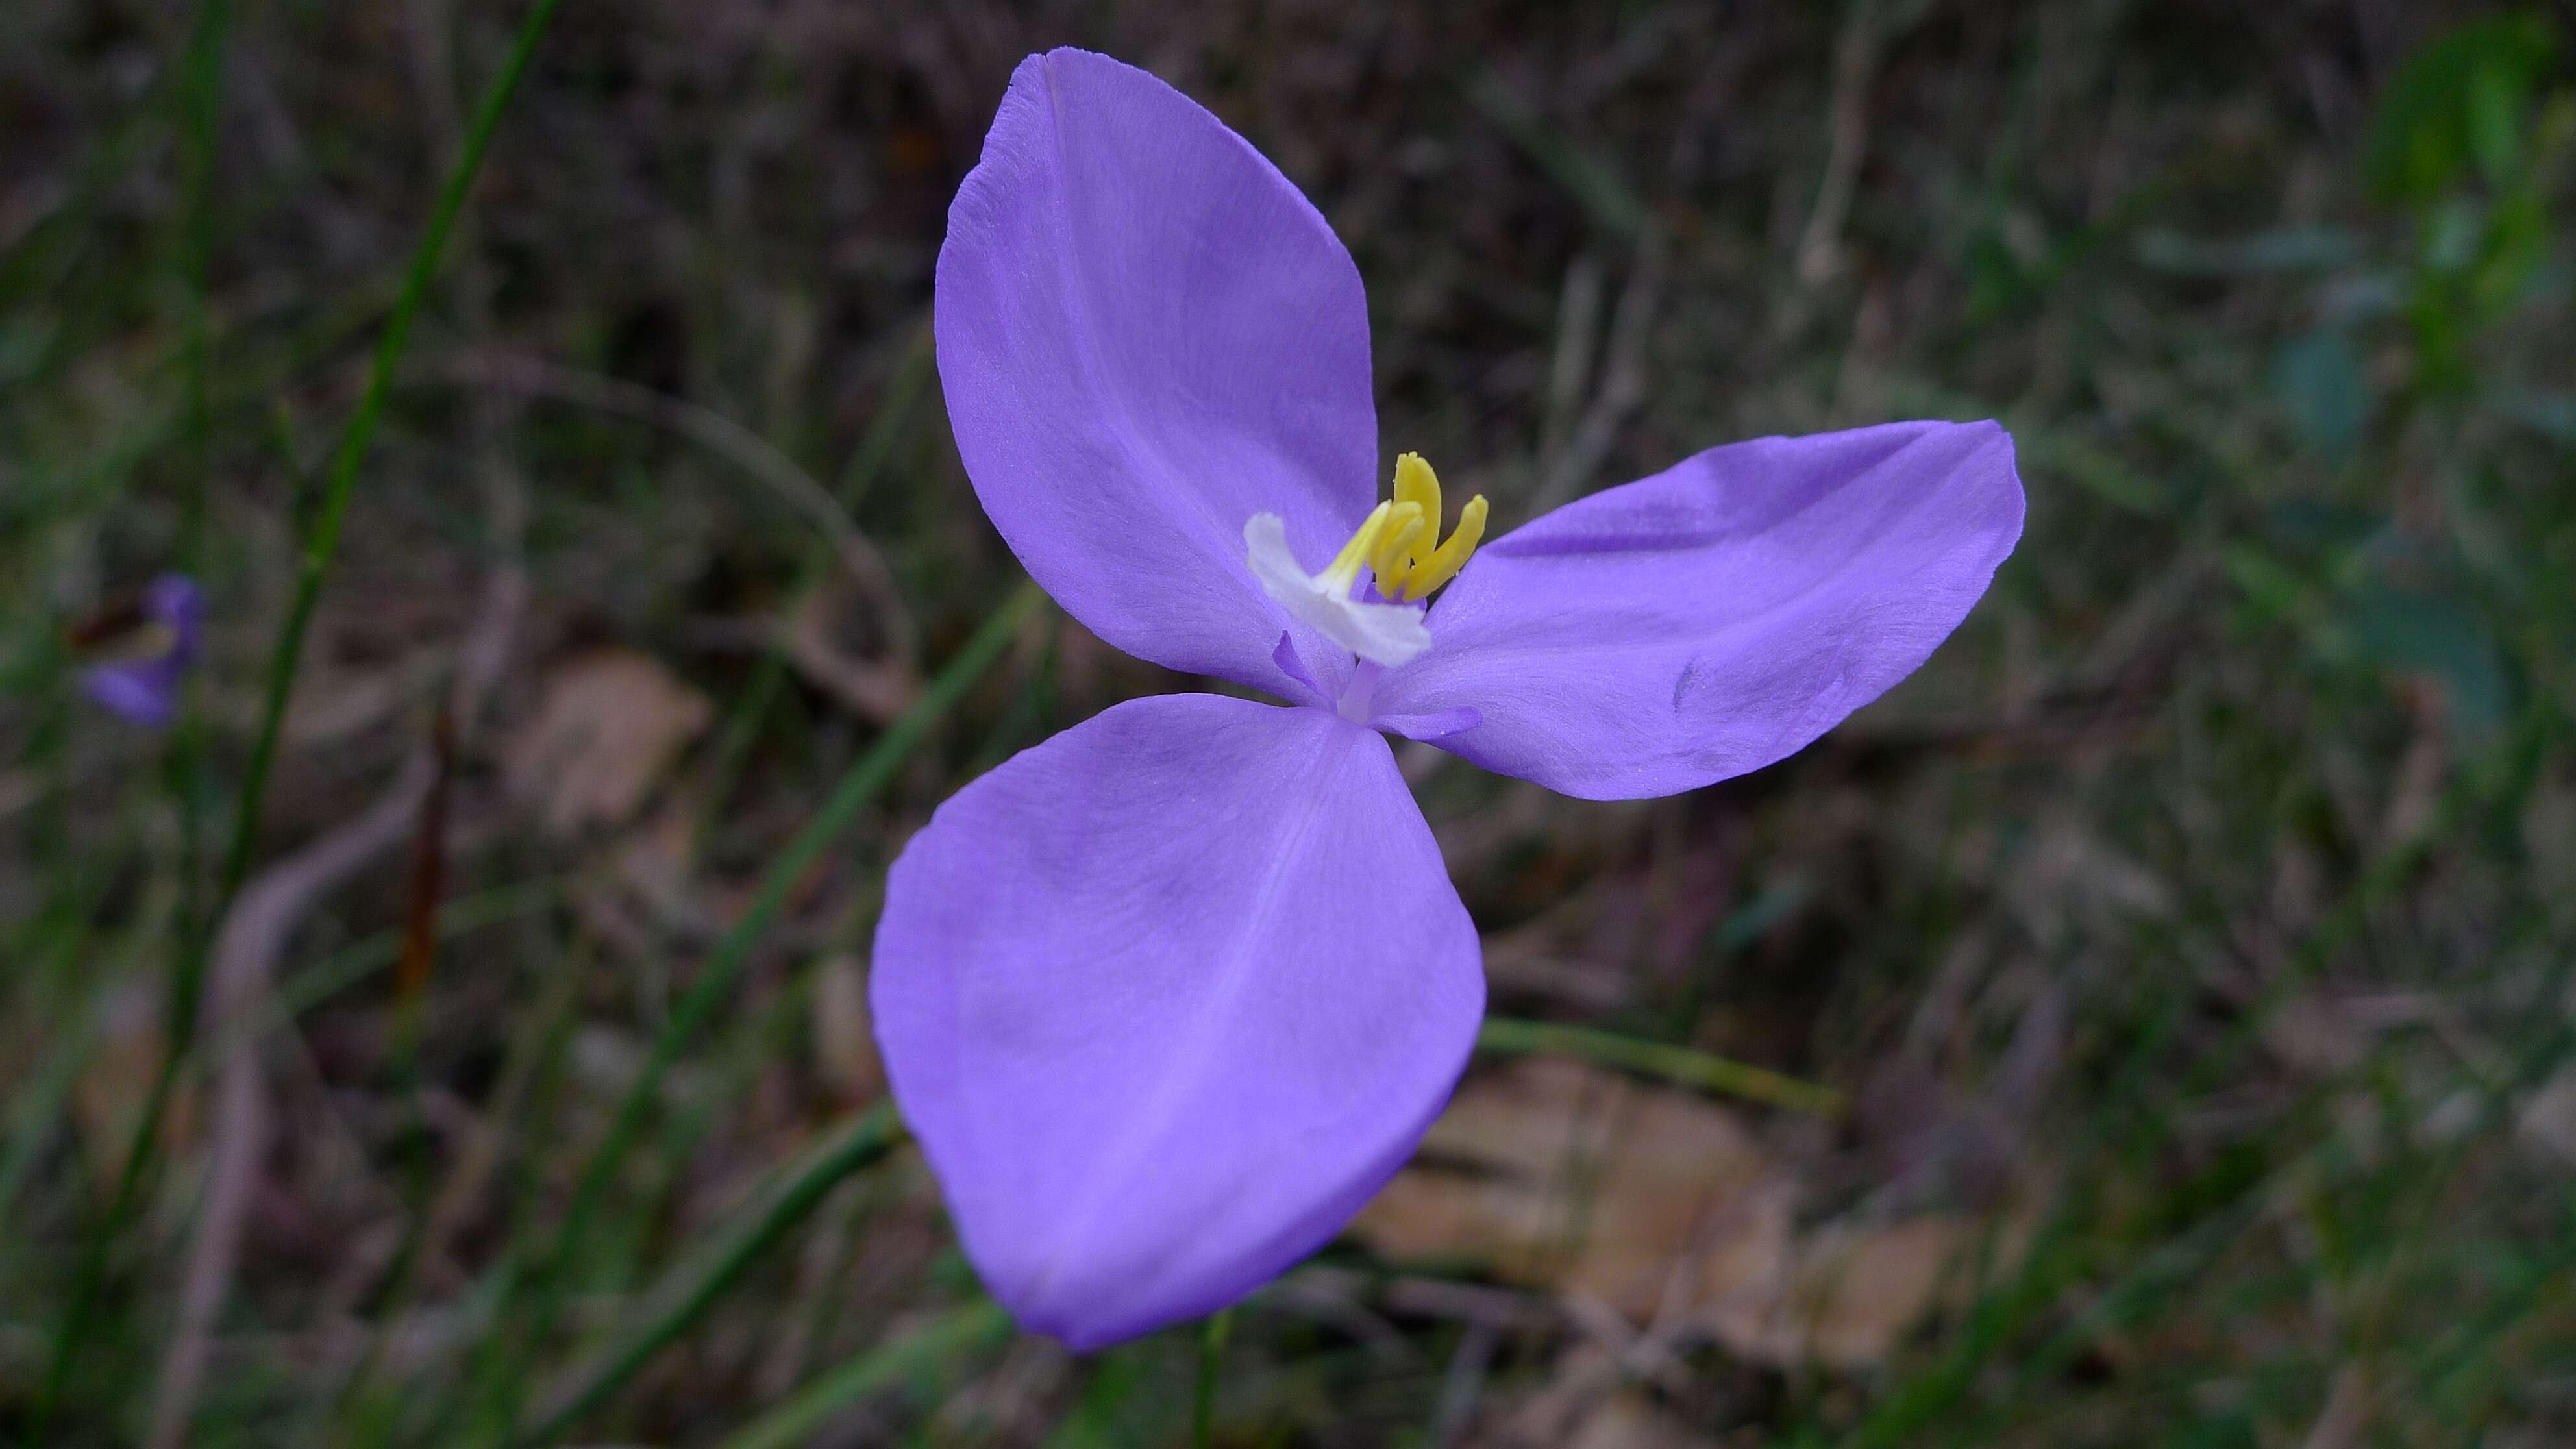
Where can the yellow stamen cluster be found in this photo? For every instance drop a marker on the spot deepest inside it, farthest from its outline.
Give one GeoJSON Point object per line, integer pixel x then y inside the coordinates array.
{"type": "Point", "coordinates": [1400, 542]}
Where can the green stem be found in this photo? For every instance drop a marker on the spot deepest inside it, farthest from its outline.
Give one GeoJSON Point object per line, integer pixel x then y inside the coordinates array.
{"type": "Point", "coordinates": [1510, 1037]}
{"type": "Point", "coordinates": [724, 965]}
{"type": "Point", "coordinates": [1211, 1353]}
{"type": "Point", "coordinates": [864, 1142]}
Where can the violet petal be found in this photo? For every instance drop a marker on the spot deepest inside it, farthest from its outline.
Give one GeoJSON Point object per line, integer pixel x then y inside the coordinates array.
{"type": "Point", "coordinates": [139, 691]}
{"type": "Point", "coordinates": [1719, 615]}
{"type": "Point", "coordinates": [1147, 336]}
{"type": "Point", "coordinates": [1167, 998]}
{"type": "Point", "coordinates": [175, 602]}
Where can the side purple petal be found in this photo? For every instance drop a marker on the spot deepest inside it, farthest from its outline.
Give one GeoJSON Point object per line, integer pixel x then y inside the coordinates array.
{"type": "Point", "coordinates": [1166, 999]}
{"type": "Point", "coordinates": [1719, 615]}
{"type": "Point", "coordinates": [1147, 336]}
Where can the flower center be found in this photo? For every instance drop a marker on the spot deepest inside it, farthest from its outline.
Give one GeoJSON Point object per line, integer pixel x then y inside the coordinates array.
{"type": "Point", "coordinates": [1398, 544]}
{"type": "Point", "coordinates": [1400, 541]}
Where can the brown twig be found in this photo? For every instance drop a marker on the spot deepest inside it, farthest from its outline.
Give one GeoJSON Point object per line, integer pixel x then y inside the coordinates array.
{"type": "Point", "coordinates": [1623, 382]}
{"type": "Point", "coordinates": [428, 864]}
{"type": "Point", "coordinates": [254, 936]}
{"type": "Point", "coordinates": [1820, 253]}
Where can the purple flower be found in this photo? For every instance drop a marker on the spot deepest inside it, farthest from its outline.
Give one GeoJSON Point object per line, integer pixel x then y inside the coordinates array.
{"type": "Point", "coordinates": [142, 683]}
{"type": "Point", "coordinates": [1169, 996]}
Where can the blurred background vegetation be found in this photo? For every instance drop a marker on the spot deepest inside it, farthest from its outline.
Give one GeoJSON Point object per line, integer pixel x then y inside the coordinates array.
{"type": "Point", "coordinates": [2183, 956]}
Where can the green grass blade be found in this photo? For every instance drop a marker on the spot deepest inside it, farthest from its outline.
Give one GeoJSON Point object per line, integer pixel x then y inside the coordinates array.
{"type": "Point", "coordinates": [1683, 1066]}
{"type": "Point", "coordinates": [724, 965]}
{"type": "Point", "coordinates": [860, 1145]}
{"type": "Point", "coordinates": [1211, 1359]}
{"type": "Point", "coordinates": [323, 541]}
{"type": "Point", "coordinates": [963, 1331]}
{"type": "Point", "coordinates": [320, 545]}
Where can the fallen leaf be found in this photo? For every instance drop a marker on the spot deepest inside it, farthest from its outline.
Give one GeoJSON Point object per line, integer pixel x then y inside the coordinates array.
{"type": "Point", "coordinates": [2316, 1035]}
{"type": "Point", "coordinates": [1555, 1174]}
{"type": "Point", "coordinates": [1858, 1291]}
{"type": "Point", "coordinates": [2547, 1121]}
{"type": "Point", "coordinates": [1631, 1421]}
{"type": "Point", "coordinates": [609, 723]}
{"type": "Point", "coordinates": [113, 1085]}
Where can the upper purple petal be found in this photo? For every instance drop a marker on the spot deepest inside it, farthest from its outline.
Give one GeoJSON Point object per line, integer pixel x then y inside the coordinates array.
{"type": "Point", "coordinates": [1166, 999]}
{"type": "Point", "coordinates": [1719, 615]}
{"type": "Point", "coordinates": [175, 601]}
{"type": "Point", "coordinates": [1147, 336]}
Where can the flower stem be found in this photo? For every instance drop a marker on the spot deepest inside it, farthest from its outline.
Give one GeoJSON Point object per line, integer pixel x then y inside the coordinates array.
{"type": "Point", "coordinates": [1510, 1037]}
{"type": "Point", "coordinates": [1211, 1350]}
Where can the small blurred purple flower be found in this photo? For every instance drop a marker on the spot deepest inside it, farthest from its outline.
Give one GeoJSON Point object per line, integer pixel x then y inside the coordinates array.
{"type": "Point", "coordinates": [142, 684]}
{"type": "Point", "coordinates": [1169, 996]}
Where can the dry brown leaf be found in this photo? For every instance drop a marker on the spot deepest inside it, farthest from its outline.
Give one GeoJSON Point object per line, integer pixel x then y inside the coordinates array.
{"type": "Point", "coordinates": [1631, 1421]}
{"type": "Point", "coordinates": [845, 1043]}
{"type": "Point", "coordinates": [2316, 1035]}
{"type": "Point", "coordinates": [609, 723]}
{"type": "Point", "coordinates": [1859, 1290]}
{"type": "Point", "coordinates": [2547, 1121]}
{"type": "Point", "coordinates": [108, 1096]}
{"type": "Point", "coordinates": [1554, 1174]}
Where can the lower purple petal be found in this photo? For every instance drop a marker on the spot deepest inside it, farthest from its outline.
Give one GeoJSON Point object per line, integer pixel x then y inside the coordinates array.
{"type": "Point", "coordinates": [1166, 999]}
{"type": "Point", "coordinates": [1717, 616]}
{"type": "Point", "coordinates": [139, 691]}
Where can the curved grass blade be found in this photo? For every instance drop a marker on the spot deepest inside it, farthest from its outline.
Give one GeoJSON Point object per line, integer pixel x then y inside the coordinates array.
{"type": "Point", "coordinates": [323, 541]}
{"type": "Point", "coordinates": [861, 1144]}
{"type": "Point", "coordinates": [973, 1328]}
{"type": "Point", "coordinates": [1680, 1065]}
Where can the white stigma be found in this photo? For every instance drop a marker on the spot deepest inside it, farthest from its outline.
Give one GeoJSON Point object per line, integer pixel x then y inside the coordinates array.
{"type": "Point", "coordinates": [1384, 634]}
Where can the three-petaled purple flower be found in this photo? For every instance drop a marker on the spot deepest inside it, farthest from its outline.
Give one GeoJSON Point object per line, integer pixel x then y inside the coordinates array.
{"type": "Point", "coordinates": [141, 684]}
{"type": "Point", "coordinates": [1169, 996]}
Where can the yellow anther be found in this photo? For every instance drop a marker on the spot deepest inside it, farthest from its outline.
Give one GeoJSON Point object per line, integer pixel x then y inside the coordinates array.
{"type": "Point", "coordinates": [1394, 552]}
{"type": "Point", "coordinates": [1397, 540]}
{"type": "Point", "coordinates": [1345, 567]}
{"type": "Point", "coordinates": [1415, 483]}
{"type": "Point", "coordinates": [1449, 557]}
{"type": "Point", "coordinates": [1412, 568]}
